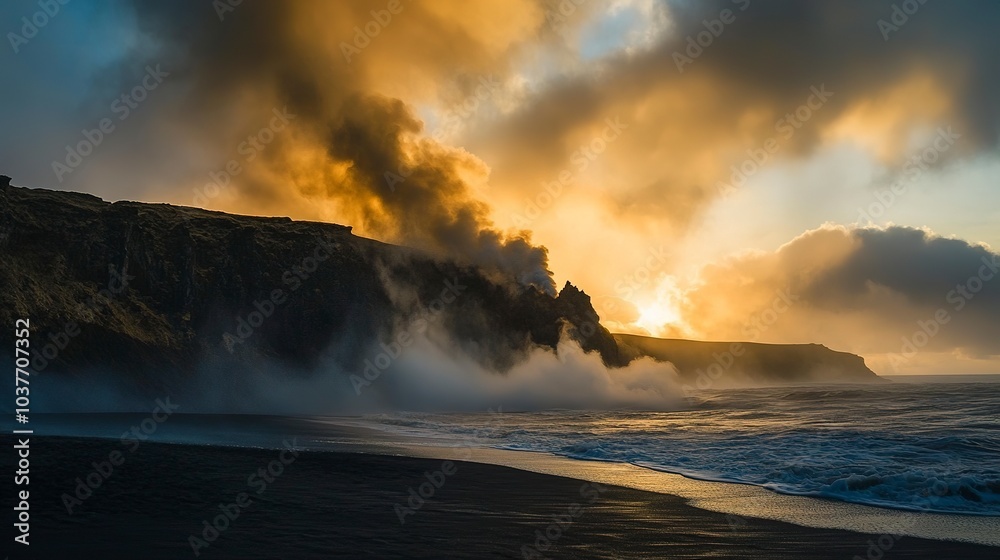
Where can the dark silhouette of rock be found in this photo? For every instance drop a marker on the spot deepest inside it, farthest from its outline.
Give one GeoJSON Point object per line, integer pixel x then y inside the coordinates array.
{"type": "Point", "coordinates": [718, 364]}
{"type": "Point", "coordinates": [153, 289]}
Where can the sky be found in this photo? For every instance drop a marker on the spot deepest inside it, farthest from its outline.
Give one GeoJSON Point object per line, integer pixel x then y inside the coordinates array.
{"type": "Point", "coordinates": [774, 171]}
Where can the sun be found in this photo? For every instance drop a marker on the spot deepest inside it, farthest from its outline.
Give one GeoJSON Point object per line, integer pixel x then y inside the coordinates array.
{"type": "Point", "coordinates": [654, 316]}
{"type": "Point", "coordinates": [661, 309]}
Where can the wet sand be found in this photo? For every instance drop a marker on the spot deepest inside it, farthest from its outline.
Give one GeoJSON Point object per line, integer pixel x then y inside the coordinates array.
{"type": "Point", "coordinates": [347, 505]}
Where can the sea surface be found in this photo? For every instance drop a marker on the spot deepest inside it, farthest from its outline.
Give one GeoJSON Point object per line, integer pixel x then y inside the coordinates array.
{"type": "Point", "coordinates": [917, 443]}
{"type": "Point", "coordinates": [920, 443]}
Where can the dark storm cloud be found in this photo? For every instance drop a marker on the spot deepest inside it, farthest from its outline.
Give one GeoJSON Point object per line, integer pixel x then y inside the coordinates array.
{"type": "Point", "coordinates": [367, 156]}
{"type": "Point", "coordinates": [775, 48]}
{"type": "Point", "coordinates": [884, 284]}
{"type": "Point", "coordinates": [691, 123]}
{"type": "Point", "coordinates": [923, 267]}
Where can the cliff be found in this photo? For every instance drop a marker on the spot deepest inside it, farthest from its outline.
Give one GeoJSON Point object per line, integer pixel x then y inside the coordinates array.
{"type": "Point", "coordinates": [148, 290]}
{"type": "Point", "coordinates": [151, 291]}
{"type": "Point", "coordinates": [718, 364]}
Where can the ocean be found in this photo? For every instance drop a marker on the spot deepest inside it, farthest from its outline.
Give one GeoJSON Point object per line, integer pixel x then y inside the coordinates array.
{"type": "Point", "coordinates": [917, 443]}
{"type": "Point", "coordinates": [857, 458]}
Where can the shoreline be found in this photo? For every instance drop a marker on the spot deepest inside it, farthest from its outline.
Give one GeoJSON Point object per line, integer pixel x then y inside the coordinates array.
{"type": "Point", "coordinates": [342, 504]}
{"type": "Point", "coordinates": [733, 498]}
{"type": "Point", "coordinates": [340, 435]}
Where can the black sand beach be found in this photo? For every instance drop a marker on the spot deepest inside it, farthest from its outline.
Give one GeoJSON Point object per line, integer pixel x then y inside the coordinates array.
{"type": "Point", "coordinates": [158, 502]}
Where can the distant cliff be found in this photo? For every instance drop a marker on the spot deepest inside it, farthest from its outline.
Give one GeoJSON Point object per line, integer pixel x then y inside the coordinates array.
{"type": "Point", "coordinates": [152, 289]}
{"type": "Point", "coordinates": [718, 364]}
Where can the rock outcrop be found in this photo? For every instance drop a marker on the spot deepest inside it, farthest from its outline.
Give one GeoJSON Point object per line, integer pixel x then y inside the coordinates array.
{"type": "Point", "coordinates": [155, 289]}
{"type": "Point", "coordinates": [721, 364]}
{"type": "Point", "coordinates": [152, 291]}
